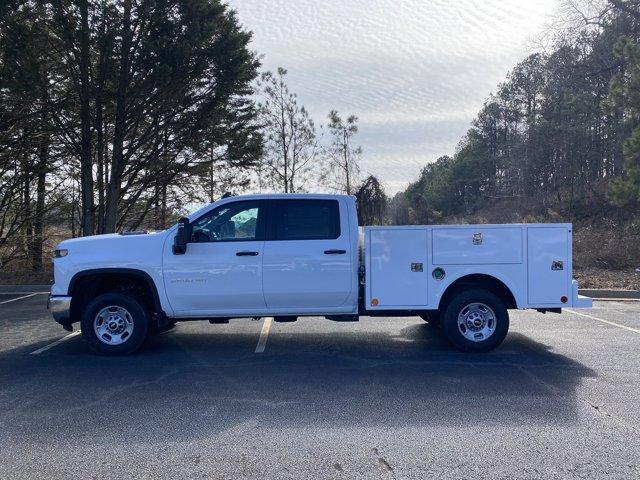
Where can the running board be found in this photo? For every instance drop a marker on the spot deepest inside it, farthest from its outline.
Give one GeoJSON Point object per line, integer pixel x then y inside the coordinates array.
{"type": "Point", "coordinates": [285, 319]}
{"type": "Point", "coordinates": [343, 318]}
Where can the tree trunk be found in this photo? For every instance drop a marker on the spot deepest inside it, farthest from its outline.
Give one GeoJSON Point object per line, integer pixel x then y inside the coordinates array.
{"type": "Point", "coordinates": [283, 139]}
{"type": "Point", "coordinates": [26, 208]}
{"type": "Point", "coordinates": [117, 160]}
{"type": "Point", "coordinates": [346, 162]}
{"type": "Point", "coordinates": [211, 179]}
{"type": "Point", "coordinates": [163, 207]}
{"type": "Point", "coordinates": [101, 173]}
{"type": "Point", "coordinates": [86, 160]}
{"type": "Point", "coordinates": [38, 223]}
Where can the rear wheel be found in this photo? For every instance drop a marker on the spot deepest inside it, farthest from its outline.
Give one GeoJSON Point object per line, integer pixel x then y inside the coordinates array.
{"type": "Point", "coordinates": [432, 318]}
{"type": "Point", "coordinates": [475, 321]}
{"type": "Point", "coordinates": [115, 324]}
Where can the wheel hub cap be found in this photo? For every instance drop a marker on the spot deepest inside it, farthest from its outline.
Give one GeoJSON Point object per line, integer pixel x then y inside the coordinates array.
{"type": "Point", "coordinates": [113, 325]}
{"type": "Point", "coordinates": [477, 322]}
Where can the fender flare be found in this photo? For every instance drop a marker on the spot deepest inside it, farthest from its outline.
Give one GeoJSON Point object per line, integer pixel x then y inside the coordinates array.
{"type": "Point", "coordinates": [126, 271]}
{"type": "Point", "coordinates": [501, 282]}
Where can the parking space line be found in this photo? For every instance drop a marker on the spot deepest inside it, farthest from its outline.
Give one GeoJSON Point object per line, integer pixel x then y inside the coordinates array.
{"type": "Point", "coordinates": [603, 320]}
{"type": "Point", "coordinates": [57, 342]}
{"type": "Point", "coordinates": [24, 296]}
{"type": "Point", "coordinates": [264, 333]}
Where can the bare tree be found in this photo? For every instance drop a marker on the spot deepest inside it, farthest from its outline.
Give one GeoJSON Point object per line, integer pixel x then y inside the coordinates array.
{"type": "Point", "coordinates": [343, 156]}
{"type": "Point", "coordinates": [291, 161]}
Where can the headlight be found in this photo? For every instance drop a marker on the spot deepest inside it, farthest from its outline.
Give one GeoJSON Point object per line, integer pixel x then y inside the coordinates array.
{"type": "Point", "coordinates": [60, 252]}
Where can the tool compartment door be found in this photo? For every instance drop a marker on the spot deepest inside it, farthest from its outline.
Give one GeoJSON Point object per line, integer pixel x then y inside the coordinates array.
{"type": "Point", "coordinates": [548, 264]}
{"type": "Point", "coordinates": [477, 245]}
{"type": "Point", "coordinates": [397, 270]}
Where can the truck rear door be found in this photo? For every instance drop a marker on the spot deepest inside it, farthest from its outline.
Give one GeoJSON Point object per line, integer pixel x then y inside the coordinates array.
{"type": "Point", "coordinates": [307, 263]}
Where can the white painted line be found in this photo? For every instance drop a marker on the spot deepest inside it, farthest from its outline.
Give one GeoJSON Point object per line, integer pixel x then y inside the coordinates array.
{"type": "Point", "coordinates": [262, 341]}
{"type": "Point", "coordinates": [603, 321]}
{"type": "Point", "coordinates": [18, 293]}
{"type": "Point", "coordinates": [57, 342]}
{"type": "Point", "coordinates": [32, 291]}
{"type": "Point", "coordinates": [20, 298]}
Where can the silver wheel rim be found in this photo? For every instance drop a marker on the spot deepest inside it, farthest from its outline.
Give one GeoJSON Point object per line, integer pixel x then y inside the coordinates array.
{"type": "Point", "coordinates": [113, 325]}
{"type": "Point", "coordinates": [477, 322]}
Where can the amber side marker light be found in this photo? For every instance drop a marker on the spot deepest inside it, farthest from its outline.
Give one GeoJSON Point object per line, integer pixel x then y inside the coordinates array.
{"type": "Point", "coordinates": [374, 301]}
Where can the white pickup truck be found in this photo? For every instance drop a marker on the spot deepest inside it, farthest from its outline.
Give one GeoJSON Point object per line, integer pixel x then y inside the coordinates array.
{"type": "Point", "coordinates": [291, 255]}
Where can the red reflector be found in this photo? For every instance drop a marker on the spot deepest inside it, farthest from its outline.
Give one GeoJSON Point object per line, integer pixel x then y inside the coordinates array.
{"type": "Point", "coordinates": [563, 299]}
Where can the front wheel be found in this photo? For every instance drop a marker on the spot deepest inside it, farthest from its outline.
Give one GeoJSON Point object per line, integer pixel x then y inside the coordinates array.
{"type": "Point", "coordinates": [115, 324]}
{"type": "Point", "coordinates": [475, 321]}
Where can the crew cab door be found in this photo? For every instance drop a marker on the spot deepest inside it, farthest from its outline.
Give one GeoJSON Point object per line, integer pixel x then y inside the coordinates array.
{"type": "Point", "coordinates": [307, 264]}
{"type": "Point", "coordinates": [221, 271]}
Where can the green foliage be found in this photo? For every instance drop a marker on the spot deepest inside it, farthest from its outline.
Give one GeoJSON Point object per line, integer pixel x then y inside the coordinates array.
{"type": "Point", "coordinates": [625, 95]}
{"type": "Point", "coordinates": [563, 122]}
{"type": "Point", "coordinates": [111, 110]}
{"type": "Point", "coordinates": [371, 201]}
{"type": "Point", "coordinates": [134, 103]}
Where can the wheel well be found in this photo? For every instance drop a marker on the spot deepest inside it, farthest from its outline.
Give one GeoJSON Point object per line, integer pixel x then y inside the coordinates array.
{"type": "Point", "coordinates": [485, 282]}
{"type": "Point", "coordinates": [86, 286]}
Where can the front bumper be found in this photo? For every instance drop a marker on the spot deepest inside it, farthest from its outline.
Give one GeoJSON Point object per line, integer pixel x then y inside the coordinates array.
{"type": "Point", "coordinates": [60, 308]}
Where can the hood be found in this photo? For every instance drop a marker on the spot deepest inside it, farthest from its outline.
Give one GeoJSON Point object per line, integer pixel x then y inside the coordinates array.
{"type": "Point", "coordinates": [111, 239]}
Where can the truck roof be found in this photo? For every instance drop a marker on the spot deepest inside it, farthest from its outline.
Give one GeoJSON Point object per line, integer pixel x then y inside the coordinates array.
{"type": "Point", "coordinates": [267, 196]}
{"type": "Point", "coordinates": [257, 196]}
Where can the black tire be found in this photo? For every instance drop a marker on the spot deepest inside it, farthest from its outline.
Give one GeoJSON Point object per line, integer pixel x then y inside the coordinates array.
{"type": "Point", "coordinates": [432, 319]}
{"type": "Point", "coordinates": [462, 301]}
{"type": "Point", "coordinates": [138, 317]}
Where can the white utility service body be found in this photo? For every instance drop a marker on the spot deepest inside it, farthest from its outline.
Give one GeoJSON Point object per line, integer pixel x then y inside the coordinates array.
{"type": "Point", "coordinates": [521, 256]}
{"type": "Point", "coordinates": [291, 255]}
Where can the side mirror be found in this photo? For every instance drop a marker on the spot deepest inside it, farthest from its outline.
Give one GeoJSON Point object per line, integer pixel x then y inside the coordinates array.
{"type": "Point", "coordinates": [182, 237]}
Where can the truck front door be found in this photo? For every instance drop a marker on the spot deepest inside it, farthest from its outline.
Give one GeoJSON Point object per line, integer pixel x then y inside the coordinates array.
{"type": "Point", "coordinates": [307, 264]}
{"type": "Point", "coordinates": [221, 271]}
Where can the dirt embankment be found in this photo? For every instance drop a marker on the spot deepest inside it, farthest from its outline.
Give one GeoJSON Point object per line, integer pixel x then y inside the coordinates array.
{"type": "Point", "coordinates": [609, 279]}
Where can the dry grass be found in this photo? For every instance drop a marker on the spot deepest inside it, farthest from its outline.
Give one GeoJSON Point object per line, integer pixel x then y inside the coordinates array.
{"type": "Point", "coordinates": [609, 279]}
{"type": "Point", "coordinates": [23, 276]}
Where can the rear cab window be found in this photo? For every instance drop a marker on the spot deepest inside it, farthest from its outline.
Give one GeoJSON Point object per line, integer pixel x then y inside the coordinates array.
{"type": "Point", "coordinates": [304, 220]}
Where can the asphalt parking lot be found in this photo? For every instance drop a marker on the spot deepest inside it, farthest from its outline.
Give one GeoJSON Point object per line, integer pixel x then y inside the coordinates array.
{"type": "Point", "coordinates": [382, 398]}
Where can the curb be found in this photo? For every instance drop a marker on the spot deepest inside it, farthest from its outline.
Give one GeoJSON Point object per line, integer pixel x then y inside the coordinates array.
{"type": "Point", "coordinates": [24, 288]}
{"type": "Point", "coordinates": [605, 294]}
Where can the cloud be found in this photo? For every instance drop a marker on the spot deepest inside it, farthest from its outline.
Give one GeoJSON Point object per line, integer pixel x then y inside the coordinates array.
{"type": "Point", "coordinates": [414, 71]}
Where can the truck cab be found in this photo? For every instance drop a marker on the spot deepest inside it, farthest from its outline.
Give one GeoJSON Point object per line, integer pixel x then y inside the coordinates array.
{"type": "Point", "coordinates": [292, 255]}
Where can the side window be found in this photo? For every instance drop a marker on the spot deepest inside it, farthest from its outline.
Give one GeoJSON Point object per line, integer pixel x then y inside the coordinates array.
{"type": "Point", "coordinates": [305, 220]}
{"type": "Point", "coordinates": [231, 222]}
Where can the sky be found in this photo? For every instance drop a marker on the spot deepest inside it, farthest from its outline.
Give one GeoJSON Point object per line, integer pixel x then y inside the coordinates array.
{"type": "Point", "coordinates": [415, 72]}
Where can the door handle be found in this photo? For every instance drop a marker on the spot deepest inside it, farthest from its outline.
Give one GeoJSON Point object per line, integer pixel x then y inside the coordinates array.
{"type": "Point", "coordinates": [335, 252]}
{"type": "Point", "coordinates": [246, 254]}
